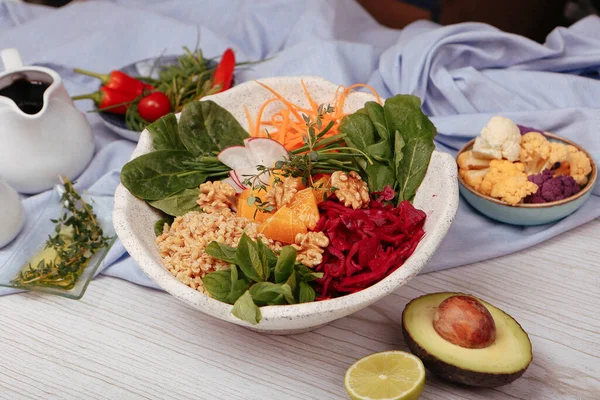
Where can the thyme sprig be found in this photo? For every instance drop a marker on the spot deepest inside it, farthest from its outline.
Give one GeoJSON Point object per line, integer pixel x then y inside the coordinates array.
{"type": "Point", "coordinates": [77, 237]}
{"type": "Point", "coordinates": [318, 155]}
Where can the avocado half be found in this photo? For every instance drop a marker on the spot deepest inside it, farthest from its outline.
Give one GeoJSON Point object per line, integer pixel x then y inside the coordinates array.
{"type": "Point", "coordinates": [499, 364]}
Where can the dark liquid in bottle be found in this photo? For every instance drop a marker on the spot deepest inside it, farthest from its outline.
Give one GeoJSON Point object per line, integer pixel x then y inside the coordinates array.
{"type": "Point", "coordinates": [28, 95]}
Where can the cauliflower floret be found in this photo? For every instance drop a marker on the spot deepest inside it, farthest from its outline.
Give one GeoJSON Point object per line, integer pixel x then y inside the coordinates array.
{"type": "Point", "coordinates": [559, 153]}
{"type": "Point", "coordinates": [513, 190]}
{"type": "Point", "coordinates": [535, 152]}
{"type": "Point", "coordinates": [507, 181]}
{"type": "Point", "coordinates": [500, 138]}
{"type": "Point", "coordinates": [467, 160]}
{"type": "Point", "coordinates": [473, 177]}
{"type": "Point", "coordinates": [579, 165]}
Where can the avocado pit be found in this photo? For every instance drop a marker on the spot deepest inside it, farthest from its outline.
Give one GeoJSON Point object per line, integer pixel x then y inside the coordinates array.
{"type": "Point", "coordinates": [465, 322]}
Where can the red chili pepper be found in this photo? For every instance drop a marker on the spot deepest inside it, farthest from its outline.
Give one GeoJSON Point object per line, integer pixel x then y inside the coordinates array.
{"type": "Point", "coordinates": [154, 106]}
{"type": "Point", "coordinates": [119, 81]}
{"type": "Point", "coordinates": [109, 100]}
{"type": "Point", "coordinates": [223, 75]}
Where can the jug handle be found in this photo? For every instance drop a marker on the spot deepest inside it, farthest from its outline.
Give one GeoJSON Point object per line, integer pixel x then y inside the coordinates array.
{"type": "Point", "coordinates": [11, 59]}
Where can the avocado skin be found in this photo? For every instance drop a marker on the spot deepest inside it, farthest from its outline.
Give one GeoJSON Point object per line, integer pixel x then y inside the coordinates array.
{"type": "Point", "coordinates": [456, 374]}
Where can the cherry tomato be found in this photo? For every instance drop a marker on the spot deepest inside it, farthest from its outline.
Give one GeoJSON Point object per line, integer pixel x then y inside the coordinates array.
{"type": "Point", "coordinates": [154, 106]}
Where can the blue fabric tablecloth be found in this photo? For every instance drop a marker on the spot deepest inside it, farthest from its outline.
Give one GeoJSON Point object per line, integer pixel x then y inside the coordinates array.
{"type": "Point", "coordinates": [464, 73]}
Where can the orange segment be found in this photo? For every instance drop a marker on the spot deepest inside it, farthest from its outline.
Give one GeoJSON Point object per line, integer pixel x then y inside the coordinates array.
{"type": "Point", "coordinates": [283, 226]}
{"type": "Point", "coordinates": [304, 205]}
{"type": "Point", "coordinates": [250, 212]}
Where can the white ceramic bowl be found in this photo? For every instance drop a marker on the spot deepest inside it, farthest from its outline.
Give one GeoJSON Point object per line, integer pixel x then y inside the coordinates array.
{"type": "Point", "coordinates": [438, 197]}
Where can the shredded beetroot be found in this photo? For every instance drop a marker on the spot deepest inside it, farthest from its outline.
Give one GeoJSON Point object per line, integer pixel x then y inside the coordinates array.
{"type": "Point", "coordinates": [365, 245]}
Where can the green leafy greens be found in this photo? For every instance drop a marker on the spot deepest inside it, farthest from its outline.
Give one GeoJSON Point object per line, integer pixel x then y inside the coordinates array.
{"type": "Point", "coordinates": [398, 137]}
{"type": "Point", "coordinates": [169, 177]}
{"type": "Point", "coordinates": [258, 277]}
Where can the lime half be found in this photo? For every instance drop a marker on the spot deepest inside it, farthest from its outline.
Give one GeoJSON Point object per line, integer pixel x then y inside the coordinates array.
{"type": "Point", "coordinates": [391, 375]}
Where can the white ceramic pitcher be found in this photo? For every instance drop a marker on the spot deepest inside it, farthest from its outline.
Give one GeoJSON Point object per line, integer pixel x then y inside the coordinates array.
{"type": "Point", "coordinates": [36, 148]}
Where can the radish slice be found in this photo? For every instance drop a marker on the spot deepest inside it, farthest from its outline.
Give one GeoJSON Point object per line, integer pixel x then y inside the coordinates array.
{"type": "Point", "coordinates": [238, 184]}
{"type": "Point", "coordinates": [236, 157]}
{"type": "Point", "coordinates": [265, 151]}
{"type": "Point", "coordinates": [233, 184]}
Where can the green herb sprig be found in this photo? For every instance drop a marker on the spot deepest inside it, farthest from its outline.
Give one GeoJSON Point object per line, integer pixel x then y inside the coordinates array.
{"type": "Point", "coordinates": [77, 237]}
{"type": "Point", "coordinates": [318, 155]}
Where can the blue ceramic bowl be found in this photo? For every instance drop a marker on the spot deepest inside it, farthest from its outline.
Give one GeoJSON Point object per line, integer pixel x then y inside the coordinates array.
{"type": "Point", "coordinates": [528, 214]}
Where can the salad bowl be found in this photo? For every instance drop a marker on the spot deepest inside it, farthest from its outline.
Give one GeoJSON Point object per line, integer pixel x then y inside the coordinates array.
{"type": "Point", "coordinates": [437, 196]}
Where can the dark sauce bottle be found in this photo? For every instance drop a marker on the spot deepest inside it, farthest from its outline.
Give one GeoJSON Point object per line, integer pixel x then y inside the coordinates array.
{"type": "Point", "coordinates": [27, 95]}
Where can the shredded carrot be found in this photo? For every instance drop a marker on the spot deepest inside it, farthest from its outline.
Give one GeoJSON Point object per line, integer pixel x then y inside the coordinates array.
{"type": "Point", "coordinates": [314, 105]}
{"type": "Point", "coordinates": [287, 125]}
{"type": "Point", "coordinates": [250, 124]}
{"type": "Point", "coordinates": [260, 113]}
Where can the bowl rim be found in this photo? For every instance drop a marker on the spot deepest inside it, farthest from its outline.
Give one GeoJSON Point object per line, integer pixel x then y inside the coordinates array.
{"type": "Point", "coordinates": [588, 187]}
{"type": "Point", "coordinates": [353, 301]}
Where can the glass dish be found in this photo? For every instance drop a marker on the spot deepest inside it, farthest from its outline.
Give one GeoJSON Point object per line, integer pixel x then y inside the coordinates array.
{"type": "Point", "coordinates": [38, 227]}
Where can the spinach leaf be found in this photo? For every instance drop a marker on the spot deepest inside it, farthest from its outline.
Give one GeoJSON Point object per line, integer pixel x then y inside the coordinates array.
{"type": "Point", "coordinates": [159, 174]}
{"type": "Point", "coordinates": [248, 259]}
{"type": "Point", "coordinates": [179, 203]}
{"type": "Point", "coordinates": [205, 127]}
{"type": "Point", "coordinates": [238, 286]}
{"type": "Point", "coordinates": [403, 114]}
{"type": "Point", "coordinates": [285, 264]}
{"type": "Point", "coordinates": [398, 154]}
{"type": "Point", "coordinates": [292, 282]}
{"type": "Point", "coordinates": [380, 175]}
{"type": "Point", "coordinates": [165, 133]}
{"type": "Point", "coordinates": [264, 293]}
{"type": "Point", "coordinates": [218, 284]}
{"type": "Point", "coordinates": [264, 261]}
{"type": "Point", "coordinates": [245, 309]}
{"type": "Point", "coordinates": [413, 166]}
{"type": "Point", "coordinates": [376, 114]}
{"type": "Point", "coordinates": [221, 251]}
{"type": "Point", "coordinates": [307, 293]}
{"type": "Point", "coordinates": [271, 260]}
{"type": "Point", "coordinates": [159, 225]}
{"type": "Point", "coordinates": [278, 301]}
{"type": "Point", "coordinates": [381, 151]}
{"type": "Point", "coordinates": [358, 130]}
{"type": "Point", "coordinates": [306, 274]}
{"type": "Point", "coordinates": [405, 118]}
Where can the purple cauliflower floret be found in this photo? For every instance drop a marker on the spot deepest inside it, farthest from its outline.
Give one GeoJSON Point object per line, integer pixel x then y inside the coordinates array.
{"type": "Point", "coordinates": [542, 177]}
{"type": "Point", "coordinates": [552, 188]}
{"type": "Point", "coordinates": [526, 129]}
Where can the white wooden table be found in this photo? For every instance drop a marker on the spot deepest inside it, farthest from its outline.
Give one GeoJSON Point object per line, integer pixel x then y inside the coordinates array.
{"type": "Point", "coordinates": [122, 341]}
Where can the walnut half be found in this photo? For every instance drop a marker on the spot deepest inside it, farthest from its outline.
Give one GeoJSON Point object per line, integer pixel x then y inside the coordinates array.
{"type": "Point", "coordinates": [351, 190]}
{"type": "Point", "coordinates": [282, 193]}
{"type": "Point", "coordinates": [309, 248]}
{"type": "Point", "coordinates": [215, 196]}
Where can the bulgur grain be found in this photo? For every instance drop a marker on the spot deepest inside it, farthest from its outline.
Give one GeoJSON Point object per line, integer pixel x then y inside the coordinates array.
{"type": "Point", "coordinates": [182, 244]}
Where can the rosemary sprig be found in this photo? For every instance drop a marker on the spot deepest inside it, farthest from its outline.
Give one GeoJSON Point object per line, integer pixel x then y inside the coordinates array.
{"type": "Point", "coordinates": [77, 236]}
{"type": "Point", "coordinates": [318, 155]}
